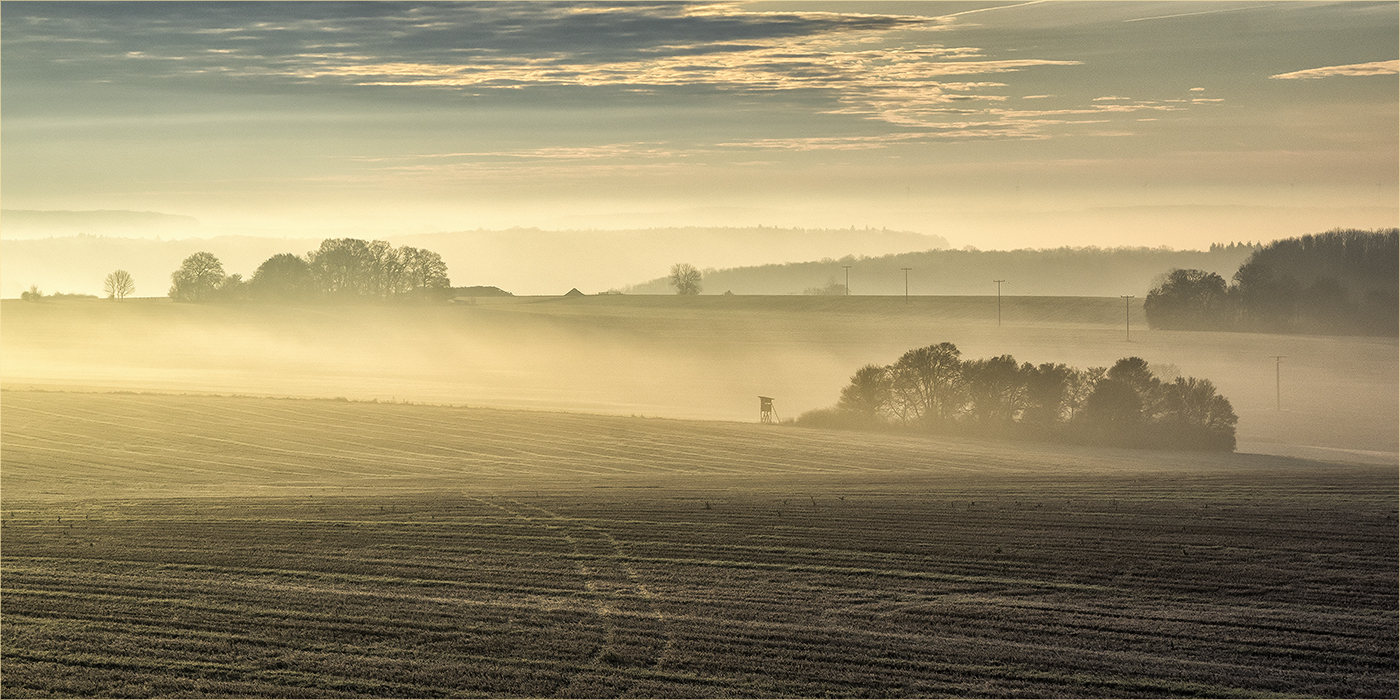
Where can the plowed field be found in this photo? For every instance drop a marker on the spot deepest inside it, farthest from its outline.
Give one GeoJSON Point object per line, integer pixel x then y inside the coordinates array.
{"type": "Point", "coordinates": [186, 546]}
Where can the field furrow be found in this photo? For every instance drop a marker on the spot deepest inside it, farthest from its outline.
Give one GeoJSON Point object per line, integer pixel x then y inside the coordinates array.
{"type": "Point", "coordinates": [278, 548]}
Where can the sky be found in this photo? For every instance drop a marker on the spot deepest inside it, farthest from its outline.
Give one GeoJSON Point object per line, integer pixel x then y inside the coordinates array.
{"type": "Point", "coordinates": [993, 124]}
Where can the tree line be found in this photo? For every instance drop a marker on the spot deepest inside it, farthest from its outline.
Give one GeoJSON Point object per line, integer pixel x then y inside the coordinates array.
{"type": "Point", "coordinates": [1344, 281]}
{"type": "Point", "coordinates": [1032, 272]}
{"type": "Point", "coordinates": [341, 269]}
{"type": "Point", "coordinates": [933, 389]}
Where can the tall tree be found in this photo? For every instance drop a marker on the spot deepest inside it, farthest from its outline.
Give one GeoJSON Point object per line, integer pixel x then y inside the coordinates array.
{"type": "Point", "coordinates": [1136, 375]}
{"type": "Point", "coordinates": [685, 279]}
{"type": "Point", "coordinates": [1049, 392]}
{"type": "Point", "coordinates": [282, 277]}
{"type": "Point", "coordinates": [1197, 416]}
{"type": "Point", "coordinates": [119, 285]}
{"type": "Point", "coordinates": [996, 389]}
{"type": "Point", "coordinates": [199, 275]}
{"type": "Point", "coordinates": [343, 268]}
{"type": "Point", "coordinates": [425, 274]}
{"type": "Point", "coordinates": [868, 394]}
{"type": "Point", "coordinates": [927, 383]}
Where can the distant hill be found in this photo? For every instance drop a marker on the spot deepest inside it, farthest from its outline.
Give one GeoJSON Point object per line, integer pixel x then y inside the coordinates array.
{"type": "Point", "coordinates": [525, 261]}
{"type": "Point", "coordinates": [534, 261]}
{"type": "Point", "coordinates": [1040, 272]}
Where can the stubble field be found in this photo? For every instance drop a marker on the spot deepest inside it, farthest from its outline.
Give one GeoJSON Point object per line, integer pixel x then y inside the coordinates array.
{"type": "Point", "coordinates": [188, 545]}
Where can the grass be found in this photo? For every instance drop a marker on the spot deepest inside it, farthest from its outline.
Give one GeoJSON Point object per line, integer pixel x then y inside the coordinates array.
{"type": "Point", "coordinates": [252, 547]}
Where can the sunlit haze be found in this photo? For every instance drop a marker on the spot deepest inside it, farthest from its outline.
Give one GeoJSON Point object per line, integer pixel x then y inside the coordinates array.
{"type": "Point", "coordinates": [998, 125]}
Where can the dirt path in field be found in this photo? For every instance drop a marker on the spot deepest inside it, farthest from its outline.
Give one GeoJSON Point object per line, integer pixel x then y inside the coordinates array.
{"type": "Point", "coordinates": [635, 633]}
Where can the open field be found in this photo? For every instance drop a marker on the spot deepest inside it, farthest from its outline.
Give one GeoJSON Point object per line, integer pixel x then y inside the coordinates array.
{"type": "Point", "coordinates": [702, 357]}
{"type": "Point", "coordinates": [186, 545]}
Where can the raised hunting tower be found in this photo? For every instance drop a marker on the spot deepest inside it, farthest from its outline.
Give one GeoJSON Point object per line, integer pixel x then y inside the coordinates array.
{"type": "Point", "coordinates": [765, 410]}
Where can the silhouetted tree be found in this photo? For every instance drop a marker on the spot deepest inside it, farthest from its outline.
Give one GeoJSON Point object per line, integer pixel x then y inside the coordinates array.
{"type": "Point", "coordinates": [425, 273]}
{"type": "Point", "coordinates": [343, 268]}
{"type": "Point", "coordinates": [926, 384]}
{"type": "Point", "coordinates": [1268, 299]}
{"type": "Point", "coordinates": [1188, 300]}
{"type": "Point", "coordinates": [33, 294]}
{"type": "Point", "coordinates": [1049, 393]}
{"type": "Point", "coordinates": [1134, 372]}
{"type": "Point", "coordinates": [119, 285]}
{"type": "Point", "coordinates": [996, 389]}
{"type": "Point", "coordinates": [868, 394]}
{"type": "Point", "coordinates": [231, 288]}
{"type": "Point", "coordinates": [1081, 385]}
{"type": "Point", "coordinates": [199, 275]}
{"type": "Point", "coordinates": [685, 278]}
{"type": "Point", "coordinates": [1115, 408]}
{"type": "Point", "coordinates": [1194, 415]}
{"type": "Point", "coordinates": [282, 277]}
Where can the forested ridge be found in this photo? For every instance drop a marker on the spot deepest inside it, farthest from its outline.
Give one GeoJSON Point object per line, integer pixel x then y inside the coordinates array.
{"type": "Point", "coordinates": [1344, 281]}
{"type": "Point", "coordinates": [1064, 271]}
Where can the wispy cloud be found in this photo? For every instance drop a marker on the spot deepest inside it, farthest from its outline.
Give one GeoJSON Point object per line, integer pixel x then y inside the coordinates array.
{"type": "Point", "coordinates": [1197, 14]}
{"type": "Point", "coordinates": [1353, 70]}
{"type": "Point", "coordinates": [880, 68]}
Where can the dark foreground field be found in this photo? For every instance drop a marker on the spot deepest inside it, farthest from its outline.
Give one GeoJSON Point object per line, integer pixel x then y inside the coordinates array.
{"type": "Point", "coordinates": [185, 546]}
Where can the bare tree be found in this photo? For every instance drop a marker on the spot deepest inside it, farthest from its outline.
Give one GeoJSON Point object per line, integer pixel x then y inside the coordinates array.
{"type": "Point", "coordinates": [119, 285]}
{"type": "Point", "coordinates": [685, 278]}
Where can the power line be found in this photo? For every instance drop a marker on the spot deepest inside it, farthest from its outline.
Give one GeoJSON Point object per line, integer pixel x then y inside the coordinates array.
{"type": "Point", "coordinates": [906, 283]}
{"type": "Point", "coordinates": [848, 279]}
{"type": "Point", "coordinates": [1278, 381]}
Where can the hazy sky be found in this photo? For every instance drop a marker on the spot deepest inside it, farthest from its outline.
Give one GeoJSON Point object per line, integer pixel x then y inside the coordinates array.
{"type": "Point", "coordinates": [994, 124]}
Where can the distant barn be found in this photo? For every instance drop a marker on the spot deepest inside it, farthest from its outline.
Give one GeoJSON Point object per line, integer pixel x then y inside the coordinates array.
{"type": "Point", "coordinates": [575, 293]}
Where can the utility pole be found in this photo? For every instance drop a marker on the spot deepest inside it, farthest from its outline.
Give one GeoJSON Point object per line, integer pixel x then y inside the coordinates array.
{"type": "Point", "coordinates": [848, 279]}
{"type": "Point", "coordinates": [998, 301]}
{"type": "Point", "coordinates": [1128, 315]}
{"type": "Point", "coordinates": [1278, 381]}
{"type": "Point", "coordinates": [906, 283]}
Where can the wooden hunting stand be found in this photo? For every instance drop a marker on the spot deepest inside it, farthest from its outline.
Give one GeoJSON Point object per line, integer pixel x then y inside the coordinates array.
{"type": "Point", "coordinates": [765, 410]}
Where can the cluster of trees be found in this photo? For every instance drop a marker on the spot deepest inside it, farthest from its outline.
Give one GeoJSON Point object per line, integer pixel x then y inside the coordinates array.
{"type": "Point", "coordinates": [1341, 282]}
{"type": "Point", "coordinates": [932, 388]}
{"type": "Point", "coordinates": [35, 295]}
{"type": "Point", "coordinates": [342, 269]}
{"type": "Point", "coordinates": [831, 289]}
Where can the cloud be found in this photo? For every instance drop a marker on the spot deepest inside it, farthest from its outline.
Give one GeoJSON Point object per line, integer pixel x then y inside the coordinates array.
{"type": "Point", "coordinates": [1353, 70]}
{"type": "Point", "coordinates": [875, 67]}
